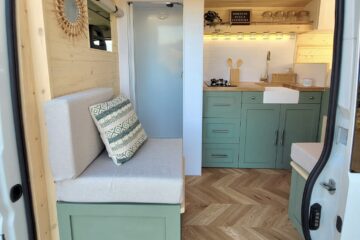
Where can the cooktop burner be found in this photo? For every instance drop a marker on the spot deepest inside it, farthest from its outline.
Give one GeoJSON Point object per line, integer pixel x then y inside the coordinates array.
{"type": "Point", "coordinates": [218, 83]}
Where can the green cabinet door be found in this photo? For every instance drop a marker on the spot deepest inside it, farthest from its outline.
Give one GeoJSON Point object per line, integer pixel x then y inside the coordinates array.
{"type": "Point", "coordinates": [259, 135]}
{"type": "Point", "coordinates": [298, 123]}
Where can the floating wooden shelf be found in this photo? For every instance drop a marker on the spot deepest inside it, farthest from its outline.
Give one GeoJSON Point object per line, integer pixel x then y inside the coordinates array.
{"type": "Point", "coordinates": [258, 28]}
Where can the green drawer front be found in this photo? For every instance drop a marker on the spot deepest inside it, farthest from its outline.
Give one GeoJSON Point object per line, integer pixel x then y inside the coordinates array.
{"type": "Point", "coordinates": [219, 130]}
{"type": "Point", "coordinates": [220, 155]}
{"type": "Point", "coordinates": [310, 97]}
{"type": "Point", "coordinates": [252, 97]}
{"type": "Point", "coordinates": [220, 104]}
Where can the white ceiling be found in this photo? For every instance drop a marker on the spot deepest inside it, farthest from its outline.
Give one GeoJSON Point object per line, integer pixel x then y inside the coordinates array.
{"type": "Point", "coordinates": [256, 3]}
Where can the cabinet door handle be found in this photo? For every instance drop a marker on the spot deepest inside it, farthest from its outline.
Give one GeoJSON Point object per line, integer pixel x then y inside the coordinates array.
{"type": "Point", "coordinates": [276, 137]}
{"type": "Point", "coordinates": [220, 131]}
{"type": "Point", "coordinates": [222, 105]}
{"type": "Point", "coordinates": [282, 138]}
{"type": "Point", "coordinates": [219, 155]}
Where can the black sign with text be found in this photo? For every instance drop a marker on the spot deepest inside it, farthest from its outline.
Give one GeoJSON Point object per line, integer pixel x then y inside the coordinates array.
{"type": "Point", "coordinates": [240, 17]}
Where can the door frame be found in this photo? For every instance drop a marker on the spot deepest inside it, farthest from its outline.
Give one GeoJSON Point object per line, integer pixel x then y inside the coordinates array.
{"type": "Point", "coordinates": [11, 36]}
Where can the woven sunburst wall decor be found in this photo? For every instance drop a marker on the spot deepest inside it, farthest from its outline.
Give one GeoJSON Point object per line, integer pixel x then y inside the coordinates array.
{"type": "Point", "coordinates": [76, 27]}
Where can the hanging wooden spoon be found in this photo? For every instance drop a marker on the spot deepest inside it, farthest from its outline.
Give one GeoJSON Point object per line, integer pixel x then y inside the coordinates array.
{"type": "Point", "coordinates": [229, 63]}
{"type": "Point", "coordinates": [239, 63]}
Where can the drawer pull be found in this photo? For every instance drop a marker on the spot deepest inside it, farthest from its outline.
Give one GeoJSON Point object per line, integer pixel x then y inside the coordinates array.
{"type": "Point", "coordinates": [222, 105]}
{"type": "Point", "coordinates": [219, 155]}
{"type": "Point", "coordinates": [253, 98]}
{"type": "Point", "coordinates": [312, 98]}
{"type": "Point", "coordinates": [220, 131]}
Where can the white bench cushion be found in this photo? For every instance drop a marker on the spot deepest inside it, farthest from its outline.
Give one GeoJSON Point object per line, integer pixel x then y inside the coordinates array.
{"type": "Point", "coordinates": [74, 141]}
{"type": "Point", "coordinates": [154, 175]}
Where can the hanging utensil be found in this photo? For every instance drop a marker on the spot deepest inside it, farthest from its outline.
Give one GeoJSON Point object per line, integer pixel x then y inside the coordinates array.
{"type": "Point", "coordinates": [239, 63]}
{"type": "Point", "coordinates": [229, 62]}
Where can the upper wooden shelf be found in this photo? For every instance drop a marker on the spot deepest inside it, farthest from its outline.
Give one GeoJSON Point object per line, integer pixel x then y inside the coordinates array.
{"type": "Point", "coordinates": [258, 28]}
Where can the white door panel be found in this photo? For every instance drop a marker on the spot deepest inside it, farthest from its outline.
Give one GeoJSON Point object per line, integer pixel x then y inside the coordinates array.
{"type": "Point", "coordinates": [12, 215]}
{"type": "Point", "coordinates": [345, 201]}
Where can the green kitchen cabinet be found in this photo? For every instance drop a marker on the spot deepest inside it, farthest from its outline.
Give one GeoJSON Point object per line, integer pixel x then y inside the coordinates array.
{"type": "Point", "coordinates": [295, 201]}
{"type": "Point", "coordinates": [218, 130]}
{"type": "Point", "coordinates": [240, 131]}
{"type": "Point", "coordinates": [222, 104]}
{"type": "Point", "coordinates": [259, 135]}
{"type": "Point", "coordinates": [220, 155]}
{"type": "Point", "coordinates": [298, 123]}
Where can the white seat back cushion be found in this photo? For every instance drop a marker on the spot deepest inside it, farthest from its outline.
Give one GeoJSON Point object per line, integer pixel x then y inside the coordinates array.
{"type": "Point", "coordinates": [73, 139]}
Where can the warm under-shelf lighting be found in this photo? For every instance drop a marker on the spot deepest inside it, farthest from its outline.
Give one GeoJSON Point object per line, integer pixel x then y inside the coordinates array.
{"type": "Point", "coordinates": [240, 36]}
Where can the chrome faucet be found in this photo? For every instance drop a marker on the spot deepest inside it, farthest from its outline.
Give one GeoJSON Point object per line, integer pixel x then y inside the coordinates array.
{"type": "Point", "coordinates": [265, 77]}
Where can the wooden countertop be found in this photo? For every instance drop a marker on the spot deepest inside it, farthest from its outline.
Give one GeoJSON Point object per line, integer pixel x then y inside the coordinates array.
{"type": "Point", "coordinates": [240, 87]}
{"type": "Point", "coordinates": [260, 87]}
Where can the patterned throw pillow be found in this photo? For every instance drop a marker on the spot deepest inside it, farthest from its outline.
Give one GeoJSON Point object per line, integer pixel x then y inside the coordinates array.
{"type": "Point", "coordinates": [119, 128]}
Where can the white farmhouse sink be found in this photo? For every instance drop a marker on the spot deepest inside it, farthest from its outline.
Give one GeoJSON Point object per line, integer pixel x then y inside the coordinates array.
{"type": "Point", "coordinates": [280, 95]}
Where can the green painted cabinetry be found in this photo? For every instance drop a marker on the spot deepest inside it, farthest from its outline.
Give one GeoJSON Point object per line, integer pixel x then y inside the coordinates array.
{"type": "Point", "coordinates": [295, 201]}
{"type": "Point", "coordinates": [298, 123]}
{"type": "Point", "coordinates": [118, 221]}
{"type": "Point", "coordinates": [259, 135]}
{"type": "Point", "coordinates": [240, 131]}
{"type": "Point", "coordinates": [221, 129]}
{"type": "Point", "coordinates": [220, 155]}
{"type": "Point", "coordinates": [222, 104]}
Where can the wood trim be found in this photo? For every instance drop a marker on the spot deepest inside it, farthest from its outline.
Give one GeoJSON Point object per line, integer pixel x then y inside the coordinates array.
{"type": "Point", "coordinates": [32, 93]}
{"type": "Point", "coordinates": [52, 65]}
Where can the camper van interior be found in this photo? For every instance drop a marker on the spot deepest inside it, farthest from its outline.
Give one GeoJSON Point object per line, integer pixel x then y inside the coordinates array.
{"type": "Point", "coordinates": [184, 120]}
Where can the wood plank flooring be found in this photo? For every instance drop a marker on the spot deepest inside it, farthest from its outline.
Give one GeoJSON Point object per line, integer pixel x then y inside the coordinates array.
{"type": "Point", "coordinates": [241, 204]}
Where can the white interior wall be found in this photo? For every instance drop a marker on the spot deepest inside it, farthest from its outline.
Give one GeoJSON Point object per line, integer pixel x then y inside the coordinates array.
{"type": "Point", "coordinates": [252, 52]}
{"type": "Point", "coordinates": [192, 77]}
{"type": "Point", "coordinates": [193, 85]}
{"type": "Point", "coordinates": [123, 38]}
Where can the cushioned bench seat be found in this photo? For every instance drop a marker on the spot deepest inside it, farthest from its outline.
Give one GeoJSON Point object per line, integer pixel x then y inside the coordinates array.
{"type": "Point", "coordinates": [154, 175]}
{"type": "Point", "coordinates": [97, 199]}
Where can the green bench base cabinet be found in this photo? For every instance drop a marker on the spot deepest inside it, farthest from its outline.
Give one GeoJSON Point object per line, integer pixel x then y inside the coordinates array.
{"type": "Point", "coordinates": [114, 221]}
{"type": "Point", "coordinates": [261, 134]}
{"type": "Point", "coordinates": [295, 201]}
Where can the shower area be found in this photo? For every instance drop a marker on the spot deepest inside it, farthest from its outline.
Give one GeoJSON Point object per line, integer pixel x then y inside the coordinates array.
{"type": "Point", "coordinates": [156, 74]}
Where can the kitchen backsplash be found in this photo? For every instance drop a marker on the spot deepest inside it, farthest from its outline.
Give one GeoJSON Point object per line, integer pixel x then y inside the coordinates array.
{"type": "Point", "coordinates": [252, 52]}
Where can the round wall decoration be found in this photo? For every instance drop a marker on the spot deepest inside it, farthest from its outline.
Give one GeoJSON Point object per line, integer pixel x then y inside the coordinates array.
{"type": "Point", "coordinates": [72, 17]}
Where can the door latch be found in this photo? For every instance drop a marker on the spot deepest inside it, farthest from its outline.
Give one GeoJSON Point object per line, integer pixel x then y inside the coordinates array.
{"type": "Point", "coordinates": [330, 186]}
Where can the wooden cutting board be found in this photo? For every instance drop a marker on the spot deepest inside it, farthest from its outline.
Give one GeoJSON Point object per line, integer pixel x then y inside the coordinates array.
{"type": "Point", "coordinates": [282, 78]}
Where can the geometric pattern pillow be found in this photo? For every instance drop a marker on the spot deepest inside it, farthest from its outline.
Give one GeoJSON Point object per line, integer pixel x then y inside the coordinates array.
{"type": "Point", "coordinates": [119, 128]}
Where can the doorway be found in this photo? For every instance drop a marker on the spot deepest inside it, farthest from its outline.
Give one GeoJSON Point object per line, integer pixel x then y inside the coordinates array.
{"type": "Point", "coordinates": [158, 57]}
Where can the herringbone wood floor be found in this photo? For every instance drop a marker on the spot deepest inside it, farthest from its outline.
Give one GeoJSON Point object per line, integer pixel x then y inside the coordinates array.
{"type": "Point", "coordinates": [241, 204]}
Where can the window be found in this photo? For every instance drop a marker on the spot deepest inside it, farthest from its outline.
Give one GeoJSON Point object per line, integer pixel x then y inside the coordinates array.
{"type": "Point", "coordinates": [99, 27]}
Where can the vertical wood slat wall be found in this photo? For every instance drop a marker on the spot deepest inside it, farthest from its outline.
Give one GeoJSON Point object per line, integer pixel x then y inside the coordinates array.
{"type": "Point", "coordinates": [314, 47]}
{"type": "Point", "coordinates": [52, 65]}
